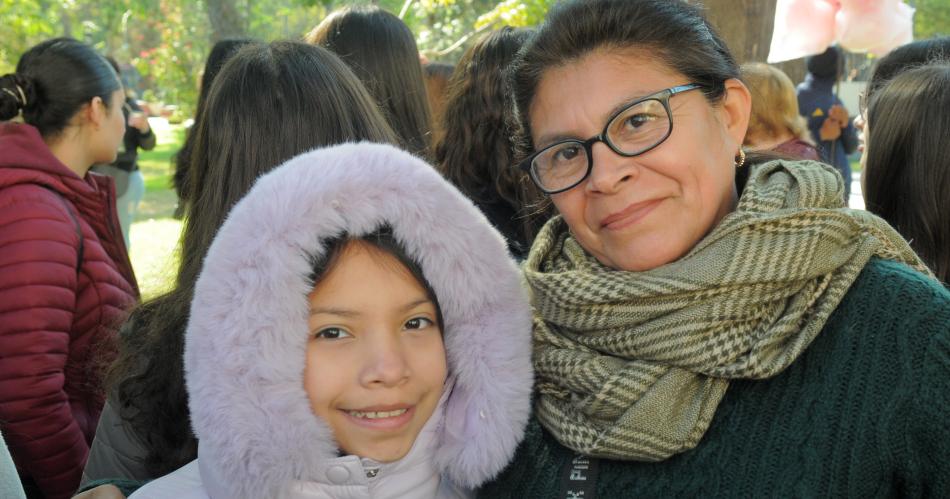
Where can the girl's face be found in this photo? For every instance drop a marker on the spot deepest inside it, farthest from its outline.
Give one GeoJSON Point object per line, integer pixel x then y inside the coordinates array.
{"type": "Point", "coordinates": [375, 364]}
{"type": "Point", "coordinates": [110, 128]}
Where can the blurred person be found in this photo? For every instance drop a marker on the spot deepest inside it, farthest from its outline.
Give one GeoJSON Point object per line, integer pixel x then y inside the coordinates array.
{"type": "Point", "coordinates": [437, 75]}
{"type": "Point", "coordinates": [828, 120]}
{"type": "Point", "coordinates": [775, 124]}
{"type": "Point", "coordinates": [894, 63]}
{"type": "Point", "coordinates": [290, 98]}
{"type": "Point", "coordinates": [381, 50]}
{"type": "Point", "coordinates": [66, 281]}
{"type": "Point", "coordinates": [10, 486]}
{"type": "Point", "coordinates": [220, 53]}
{"type": "Point", "coordinates": [708, 323]}
{"type": "Point", "coordinates": [474, 150]}
{"type": "Point", "coordinates": [129, 182]}
{"type": "Point", "coordinates": [906, 168]}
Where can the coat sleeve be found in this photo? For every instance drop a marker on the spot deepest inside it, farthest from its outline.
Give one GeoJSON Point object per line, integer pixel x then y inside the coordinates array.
{"type": "Point", "coordinates": [117, 452]}
{"type": "Point", "coordinates": [849, 134]}
{"type": "Point", "coordinates": [38, 279]}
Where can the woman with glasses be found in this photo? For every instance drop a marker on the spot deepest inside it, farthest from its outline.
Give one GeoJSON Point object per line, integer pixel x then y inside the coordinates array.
{"type": "Point", "coordinates": [708, 324]}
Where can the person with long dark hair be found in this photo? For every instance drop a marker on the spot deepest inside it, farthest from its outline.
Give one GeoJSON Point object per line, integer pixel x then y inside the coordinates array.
{"type": "Point", "coordinates": [381, 50]}
{"type": "Point", "coordinates": [268, 104]}
{"type": "Point", "coordinates": [906, 169]}
{"type": "Point", "coordinates": [220, 53]}
{"type": "Point", "coordinates": [65, 278]}
{"type": "Point", "coordinates": [474, 149]}
{"type": "Point", "coordinates": [707, 323]}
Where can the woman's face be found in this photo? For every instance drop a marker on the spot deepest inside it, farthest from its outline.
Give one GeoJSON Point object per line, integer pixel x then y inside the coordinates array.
{"type": "Point", "coordinates": [641, 212]}
{"type": "Point", "coordinates": [111, 128]}
{"type": "Point", "coordinates": [375, 363]}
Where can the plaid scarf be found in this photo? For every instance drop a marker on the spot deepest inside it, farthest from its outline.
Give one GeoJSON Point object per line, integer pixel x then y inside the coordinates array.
{"type": "Point", "coordinates": [632, 365]}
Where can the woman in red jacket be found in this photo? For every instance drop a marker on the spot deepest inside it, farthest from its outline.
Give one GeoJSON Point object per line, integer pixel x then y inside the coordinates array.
{"type": "Point", "coordinates": [65, 280]}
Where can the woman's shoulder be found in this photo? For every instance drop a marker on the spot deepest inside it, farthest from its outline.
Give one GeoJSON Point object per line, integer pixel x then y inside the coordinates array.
{"type": "Point", "coordinates": [906, 290]}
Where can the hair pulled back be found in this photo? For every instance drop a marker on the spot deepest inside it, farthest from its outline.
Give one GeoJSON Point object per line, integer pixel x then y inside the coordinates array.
{"type": "Point", "coordinates": [907, 171]}
{"type": "Point", "coordinates": [672, 31]}
{"type": "Point", "coordinates": [53, 80]}
{"type": "Point", "coordinates": [905, 57]}
{"type": "Point", "coordinates": [381, 50]}
{"type": "Point", "coordinates": [268, 104]}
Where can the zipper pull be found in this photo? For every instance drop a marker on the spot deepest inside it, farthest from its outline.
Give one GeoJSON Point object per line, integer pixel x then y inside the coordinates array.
{"type": "Point", "coordinates": [372, 472]}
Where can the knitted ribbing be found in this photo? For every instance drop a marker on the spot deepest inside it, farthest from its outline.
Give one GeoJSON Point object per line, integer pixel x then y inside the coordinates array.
{"type": "Point", "coordinates": [632, 365]}
{"type": "Point", "coordinates": [861, 413]}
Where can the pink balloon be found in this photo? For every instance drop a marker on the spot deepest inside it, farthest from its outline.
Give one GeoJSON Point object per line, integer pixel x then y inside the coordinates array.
{"type": "Point", "coordinates": [802, 27]}
{"type": "Point", "coordinates": [875, 26]}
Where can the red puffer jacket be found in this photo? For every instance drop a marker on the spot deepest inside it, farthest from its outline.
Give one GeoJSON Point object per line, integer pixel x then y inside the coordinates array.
{"type": "Point", "coordinates": [61, 300]}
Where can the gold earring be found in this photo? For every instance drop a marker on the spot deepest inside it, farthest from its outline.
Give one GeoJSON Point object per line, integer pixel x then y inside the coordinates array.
{"type": "Point", "coordinates": [740, 159]}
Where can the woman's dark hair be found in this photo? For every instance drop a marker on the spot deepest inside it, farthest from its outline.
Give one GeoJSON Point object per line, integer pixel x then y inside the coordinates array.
{"type": "Point", "coordinates": [269, 104]}
{"type": "Point", "coordinates": [672, 31]}
{"type": "Point", "coordinates": [474, 150]}
{"type": "Point", "coordinates": [220, 53]}
{"type": "Point", "coordinates": [385, 241]}
{"type": "Point", "coordinates": [382, 52]}
{"type": "Point", "coordinates": [53, 80]}
{"type": "Point", "coordinates": [906, 57]}
{"type": "Point", "coordinates": [907, 169]}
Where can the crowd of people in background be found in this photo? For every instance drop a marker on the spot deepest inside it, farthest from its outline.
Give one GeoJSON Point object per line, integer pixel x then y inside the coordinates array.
{"type": "Point", "coordinates": [595, 258]}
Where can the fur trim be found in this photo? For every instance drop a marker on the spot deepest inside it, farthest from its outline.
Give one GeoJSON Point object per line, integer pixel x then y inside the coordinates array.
{"type": "Point", "coordinates": [246, 340]}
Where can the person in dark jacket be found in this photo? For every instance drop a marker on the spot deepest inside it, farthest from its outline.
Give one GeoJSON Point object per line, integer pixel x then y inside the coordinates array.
{"type": "Point", "coordinates": [66, 281]}
{"type": "Point", "coordinates": [699, 331]}
{"type": "Point", "coordinates": [129, 182]}
{"type": "Point", "coordinates": [828, 120]}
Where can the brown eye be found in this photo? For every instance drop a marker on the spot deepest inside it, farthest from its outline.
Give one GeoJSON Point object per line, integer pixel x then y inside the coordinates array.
{"type": "Point", "coordinates": [332, 333]}
{"type": "Point", "coordinates": [418, 323]}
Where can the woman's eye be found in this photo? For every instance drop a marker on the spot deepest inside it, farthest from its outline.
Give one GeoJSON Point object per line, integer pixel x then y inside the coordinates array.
{"type": "Point", "coordinates": [331, 333]}
{"type": "Point", "coordinates": [418, 323]}
{"type": "Point", "coordinates": [638, 120]}
{"type": "Point", "coordinates": [566, 153]}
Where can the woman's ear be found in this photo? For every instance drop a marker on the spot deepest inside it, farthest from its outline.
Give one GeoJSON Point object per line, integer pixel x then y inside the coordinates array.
{"type": "Point", "coordinates": [736, 109]}
{"type": "Point", "coordinates": [95, 112]}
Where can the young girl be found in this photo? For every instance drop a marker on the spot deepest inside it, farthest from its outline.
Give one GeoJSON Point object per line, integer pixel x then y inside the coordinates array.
{"type": "Point", "coordinates": [357, 331]}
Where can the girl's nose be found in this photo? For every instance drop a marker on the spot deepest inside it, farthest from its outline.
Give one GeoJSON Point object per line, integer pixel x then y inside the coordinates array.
{"type": "Point", "coordinates": [385, 365]}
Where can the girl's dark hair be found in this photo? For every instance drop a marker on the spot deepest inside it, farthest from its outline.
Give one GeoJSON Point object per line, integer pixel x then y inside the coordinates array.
{"type": "Point", "coordinates": [383, 240]}
{"type": "Point", "coordinates": [53, 80]}
{"type": "Point", "coordinates": [269, 104]}
{"type": "Point", "coordinates": [381, 50]}
{"type": "Point", "coordinates": [220, 53]}
{"type": "Point", "coordinates": [905, 57]}
{"type": "Point", "coordinates": [672, 31]}
{"type": "Point", "coordinates": [474, 150]}
{"type": "Point", "coordinates": [907, 170]}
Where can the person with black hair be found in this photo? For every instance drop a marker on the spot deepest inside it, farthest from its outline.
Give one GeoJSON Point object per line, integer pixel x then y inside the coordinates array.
{"type": "Point", "coordinates": [220, 53]}
{"type": "Point", "coordinates": [708, 323]}
{"type": "Point", "coordinates": [66, 281]}
{"type": "Point", "coordinates": [906, 174]}
{"type": "Point", "coordinates": [382, 51]}
{"type": "Point", "coordinates": [828, 120]}
{"type": "Point", "coordinates": [474, 149]}
{"type": "Point", "coordinates": [290, 97]}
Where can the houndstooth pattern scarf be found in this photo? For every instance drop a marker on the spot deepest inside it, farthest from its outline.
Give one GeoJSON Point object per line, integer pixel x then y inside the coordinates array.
{"type": "Point", "coordinates": [632, 365]}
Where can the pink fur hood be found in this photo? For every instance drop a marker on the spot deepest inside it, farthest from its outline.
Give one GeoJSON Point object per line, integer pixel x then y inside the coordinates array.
{"type": "Point", "coordinates": [246, 339]}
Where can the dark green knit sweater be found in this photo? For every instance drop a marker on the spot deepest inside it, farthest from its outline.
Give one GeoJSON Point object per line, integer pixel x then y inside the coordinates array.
{"type": "Point", "coordinates": [864, 412]}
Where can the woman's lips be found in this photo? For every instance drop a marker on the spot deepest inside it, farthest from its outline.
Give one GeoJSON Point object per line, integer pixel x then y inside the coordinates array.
{"type": "Point", "coordinates": [629, 215]}
{"type": "Point", "coordinates": [384, 418]}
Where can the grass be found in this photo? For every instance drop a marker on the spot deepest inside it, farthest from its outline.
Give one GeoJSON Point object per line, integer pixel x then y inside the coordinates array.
{"type": "Point", "coordinates": [155, 233]}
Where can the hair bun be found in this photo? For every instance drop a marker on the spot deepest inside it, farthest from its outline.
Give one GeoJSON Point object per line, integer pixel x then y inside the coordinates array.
{"type": "Point", "coordinates": [16, 93]}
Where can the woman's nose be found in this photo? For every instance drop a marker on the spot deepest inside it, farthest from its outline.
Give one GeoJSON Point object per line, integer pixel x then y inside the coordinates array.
{"type": "Point", "coordinates": [610, 170]}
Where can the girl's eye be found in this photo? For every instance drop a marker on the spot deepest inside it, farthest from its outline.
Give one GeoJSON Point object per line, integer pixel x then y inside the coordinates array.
{"type": "Point", "coordinates": [418, 323]}
{"type": "Point", "coordinates": [332, 333]}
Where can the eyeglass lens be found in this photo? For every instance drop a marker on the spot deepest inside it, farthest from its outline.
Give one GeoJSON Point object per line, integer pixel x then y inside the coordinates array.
{"type": "Point", "coordinates": [636, 129]}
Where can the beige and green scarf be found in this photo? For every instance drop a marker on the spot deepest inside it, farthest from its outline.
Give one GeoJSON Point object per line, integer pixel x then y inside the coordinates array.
{"type": "Point", "coordinates": [632, 365]}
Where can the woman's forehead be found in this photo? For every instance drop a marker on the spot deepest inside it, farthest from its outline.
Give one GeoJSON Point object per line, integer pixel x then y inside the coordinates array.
{"type": "Point", "coordinates": [590, 88]}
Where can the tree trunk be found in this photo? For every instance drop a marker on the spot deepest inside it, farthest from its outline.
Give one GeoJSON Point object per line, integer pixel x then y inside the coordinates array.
{"type": "Point", "coordinates": [746, 26]}
{"type": "Point", "coordinates": [226, 21]}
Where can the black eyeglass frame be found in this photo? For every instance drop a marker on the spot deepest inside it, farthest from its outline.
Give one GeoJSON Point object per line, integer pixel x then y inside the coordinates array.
{"type": "Point", "coordinates": [663, 97]}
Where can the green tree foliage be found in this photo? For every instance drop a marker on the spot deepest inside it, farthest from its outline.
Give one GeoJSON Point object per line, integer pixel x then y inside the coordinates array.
{"type": "Point", "coordinates": [931, 19]}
